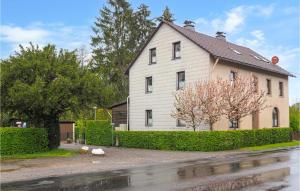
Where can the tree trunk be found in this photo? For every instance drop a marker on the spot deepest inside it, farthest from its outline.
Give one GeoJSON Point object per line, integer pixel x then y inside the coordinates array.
{"type": "Point", "coordinates": [51, 123]}
{"type": "Point", "coordinates": [210, 126]}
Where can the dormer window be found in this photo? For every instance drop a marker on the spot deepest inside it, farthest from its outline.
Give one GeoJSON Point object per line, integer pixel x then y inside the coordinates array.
{"type": "Point", "coordinates": [152, 57]}
{"type": "Point", "coordinates": [176, 50]}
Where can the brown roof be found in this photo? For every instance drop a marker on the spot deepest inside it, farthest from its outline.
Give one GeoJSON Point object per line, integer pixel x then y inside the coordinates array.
{"type": "Point", "coordinates": [222, 49]}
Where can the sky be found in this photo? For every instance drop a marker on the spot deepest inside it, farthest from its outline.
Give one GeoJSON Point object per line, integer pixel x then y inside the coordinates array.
{"type": "Point", "coordinates": [268, 27]}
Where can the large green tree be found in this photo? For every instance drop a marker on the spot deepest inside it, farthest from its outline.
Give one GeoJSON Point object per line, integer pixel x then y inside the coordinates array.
{"type": "Point", "coordinates": [43, 83]}
{"type": "Point", "coordinates": [119, 31]}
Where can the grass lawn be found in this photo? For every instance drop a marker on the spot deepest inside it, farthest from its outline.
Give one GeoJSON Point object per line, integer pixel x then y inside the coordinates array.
{"type": "Point", "coordinates": [272, 146]}
{"type": "Point", "coordinates": [47, 154]}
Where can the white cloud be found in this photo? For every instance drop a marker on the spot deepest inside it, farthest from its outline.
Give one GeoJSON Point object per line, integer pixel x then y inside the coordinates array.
{"type": "Point", "coordinates": [14, 34]}
{"type": "Point", "coordinates": [233, 20]}
{"type": "Point", "coordinates": [258, 34]}
{"type": "Point", "coordinates": [289, 59]}
{"type": "Point", "coordinates": [66, 37]}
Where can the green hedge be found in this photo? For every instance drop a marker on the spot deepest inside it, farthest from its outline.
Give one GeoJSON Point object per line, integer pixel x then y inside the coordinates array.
{"type": "Point", "coordinates": [201, 141]}
{"type": "Point", "coordinates": [23, 140]}
{"type": "Point", "coordinates": [98, 133]}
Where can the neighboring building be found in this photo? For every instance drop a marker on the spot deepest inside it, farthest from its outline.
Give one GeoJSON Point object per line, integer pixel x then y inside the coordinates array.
{"type": "Point", "coordinates": [119, 114]}
{"type": "Point", "coordinates": [175, 56]}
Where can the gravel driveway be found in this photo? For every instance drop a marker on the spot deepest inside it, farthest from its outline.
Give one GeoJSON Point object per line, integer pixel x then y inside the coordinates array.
{"type": "Point", "coordinates": [115, 158]}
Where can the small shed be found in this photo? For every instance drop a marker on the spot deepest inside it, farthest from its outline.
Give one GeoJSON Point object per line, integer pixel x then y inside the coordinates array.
{"type": "Point", "coordinates": [119, 113]}
{"type": "Point", "coordinates": [67, 130]}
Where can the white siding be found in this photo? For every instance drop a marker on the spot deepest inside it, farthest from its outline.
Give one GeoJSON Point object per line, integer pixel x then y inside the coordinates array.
{"type": "Point", "coordinates": [194, 61]}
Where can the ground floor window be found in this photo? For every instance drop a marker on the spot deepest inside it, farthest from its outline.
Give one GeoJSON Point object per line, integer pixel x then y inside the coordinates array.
{"type": "Point", "coordinates": [233, 124]}
{"type": "Point", "coordinates": [149, 120]}
{"type": "Point", "coordinates": [275, 115]}
{"type": "Point", "coordinates": [180, 123]}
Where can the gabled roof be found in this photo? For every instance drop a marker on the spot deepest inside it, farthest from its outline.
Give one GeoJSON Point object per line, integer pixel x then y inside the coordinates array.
{"type": "Point", "coordinates": [222, 49]}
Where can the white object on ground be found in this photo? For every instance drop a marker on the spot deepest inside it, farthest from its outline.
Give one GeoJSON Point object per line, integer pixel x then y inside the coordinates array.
{"type": "Point", "coordinates": [97, 152]}
{"type": "Point", "coordinates": [86, 148]}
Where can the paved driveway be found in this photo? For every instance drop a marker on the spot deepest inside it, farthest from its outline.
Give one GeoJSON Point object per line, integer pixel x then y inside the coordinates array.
{"type": "Point", "coordinates": [115, 158]}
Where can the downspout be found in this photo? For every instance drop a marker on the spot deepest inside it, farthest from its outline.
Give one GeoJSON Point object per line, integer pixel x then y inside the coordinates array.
{"type": "Point", "coordinates": [216, 62]}
{"type": "Point", "coordinates": [127, 113]}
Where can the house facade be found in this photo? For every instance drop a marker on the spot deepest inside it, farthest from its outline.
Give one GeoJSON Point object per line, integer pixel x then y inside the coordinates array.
{"type": "Point", "coordinates": [175, 56]}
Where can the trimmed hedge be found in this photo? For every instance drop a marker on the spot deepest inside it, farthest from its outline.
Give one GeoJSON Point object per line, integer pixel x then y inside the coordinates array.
{"type": "Point", "coordinates": [202, 140]}
{"type": "Point", "coordinates": [23, 140]}
{"type": "Point", "coordinates": [98, 133]}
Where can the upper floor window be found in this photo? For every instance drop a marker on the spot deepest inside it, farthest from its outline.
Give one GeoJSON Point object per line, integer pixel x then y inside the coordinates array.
{"type": "Point", "coordinates": [280, 88]}
{"type": "Point", "coordinates": [149, 120]}
{"type": "Point", "coordinates": [255, 84]}
{"type": "Point", "coordinates": [180, 80]}
{"type": "Point", "coordinates": [152, 57]}
{"type": "Point", "coordinates": [269, 87]}
{"type": "Point", "coordinates": [275, 115]}
{"type": "Point", "coordinates": [232, 77]}
{"type": "Point", "coordinates": [149, 84]}
{"type": "Point", "coordinates": [176, 50]}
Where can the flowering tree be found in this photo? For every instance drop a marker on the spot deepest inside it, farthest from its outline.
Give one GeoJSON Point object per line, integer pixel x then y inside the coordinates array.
{"type": "Point", "coordinates": [241, 98]}
{"type": "Point", "coordinates": [186, 107]}
{"type": "Point", "coordinates": [209, 100]}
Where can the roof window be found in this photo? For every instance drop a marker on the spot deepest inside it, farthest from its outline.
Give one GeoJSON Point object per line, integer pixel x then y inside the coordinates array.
{"type": "Point", "coordinates": [237, 52]}
{"type": "Point", "coordinates": [256, 57]}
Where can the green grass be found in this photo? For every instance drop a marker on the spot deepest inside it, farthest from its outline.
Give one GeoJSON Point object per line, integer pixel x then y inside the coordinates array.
{"type": "Point", "coordinates": [272, 146]}
{"type": "Point", "coordinates": [47, 154]}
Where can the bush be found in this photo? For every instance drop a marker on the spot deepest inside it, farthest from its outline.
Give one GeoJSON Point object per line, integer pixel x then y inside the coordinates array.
{"type": "Point", "coordinates": [295, 118]}
{"type": "Point", "coordinates": [201, 141]}
{"type": "Point", "coordinates": [98, 133]}
{"type": "Point", "coordinates": [80, 130]}
{"type": "Point", "coordinates": [23, 140]}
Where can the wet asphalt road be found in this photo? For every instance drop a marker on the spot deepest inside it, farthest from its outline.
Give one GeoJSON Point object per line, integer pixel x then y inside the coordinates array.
{"type": "Point", "coordinates": [272, 170]}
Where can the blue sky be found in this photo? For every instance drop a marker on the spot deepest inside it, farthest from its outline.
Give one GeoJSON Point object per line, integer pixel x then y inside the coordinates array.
{"type": "Point", "coordinates": [268, 27]}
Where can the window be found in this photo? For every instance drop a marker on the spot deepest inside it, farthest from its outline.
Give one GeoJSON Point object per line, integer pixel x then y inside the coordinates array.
{"type": "Point", "coordinates": [149, 121]}
{"type": "Point", "coordinates": [152, 56]}
{"type": "Point", "coordinates": [180, 123]}
{"type": "Point", "coordinates": [233, 124]}
{"type": "Point", "coordinates": [235, 51]}
{"type": "Point", "coordinates": [148, 85]}
{"type": "Point", "coordinates": [232, 77]}
{"type": "Point", "coordinates": [255, 84]}
{"type": "Point", "coordinates": [269, 87]}
{"type": "Point", "coordinates": [180, 80]}
{"type": "Point", "coordinates": [280, 88]}
{"type": "Point", "coordinates": [176, 50]}
{"type": "Point", "coordinates": [275, 115]}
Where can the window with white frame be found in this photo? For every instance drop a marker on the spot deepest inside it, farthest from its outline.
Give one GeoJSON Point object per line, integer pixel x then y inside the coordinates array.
{"type": "Point", "coordinates": [176, 50]}
{"type": "Point", "coordinates": [232, 77]}
{"type": "Point", "coordinates": [149, 120]}
{"type": "Point", "coordinates": [152, 56]}
{"type": "Point", "coordinates": [233, 124]}
{"type": "Point", "coordinates": [180, 80]}
{"type": "Point", "coordinates": [275, 115]}
{"type": "Point", "coordinates": [148, 84]}
{"type": "Point", "coordinates": [180, 123]}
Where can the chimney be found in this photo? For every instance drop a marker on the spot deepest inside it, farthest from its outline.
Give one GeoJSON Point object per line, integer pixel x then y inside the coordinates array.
{"type": "Point", "coordinates": [221, 35]}
{"type": "Point", "coordinates": [189, 25]}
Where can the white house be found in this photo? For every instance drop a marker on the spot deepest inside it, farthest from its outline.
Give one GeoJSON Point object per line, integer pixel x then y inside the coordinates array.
{"type": "Point", "coordinates": [174, 56]}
